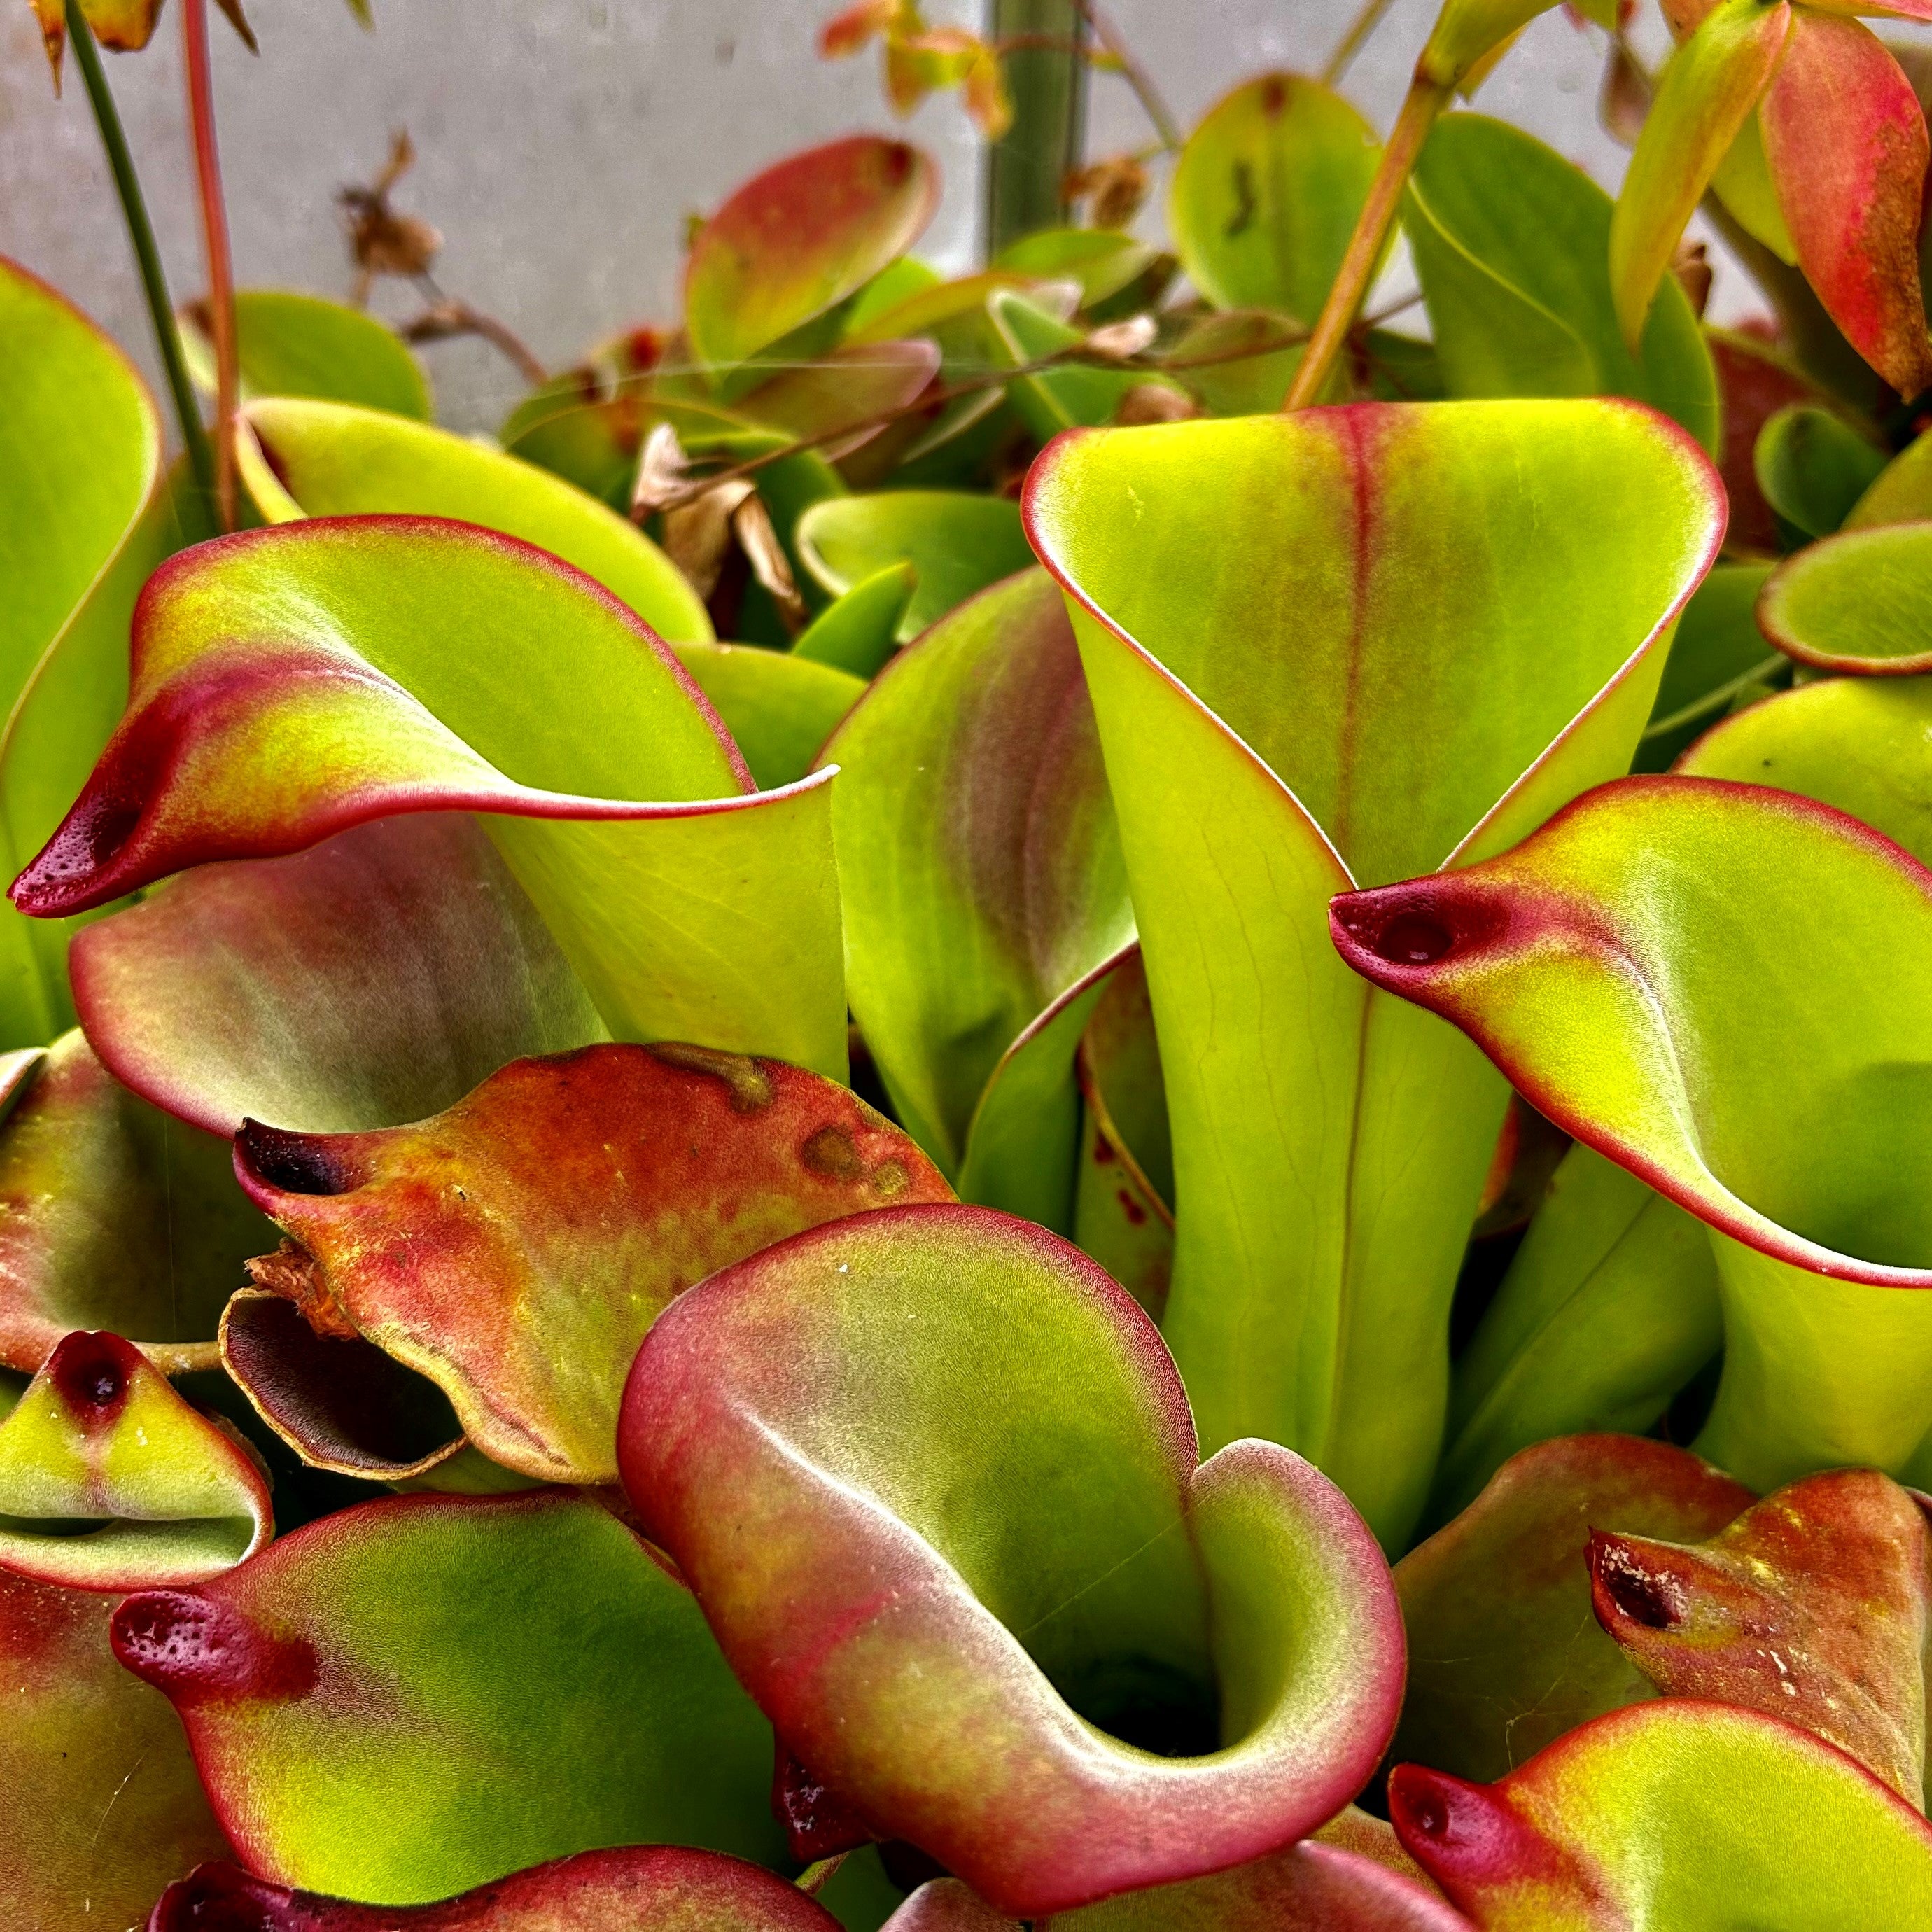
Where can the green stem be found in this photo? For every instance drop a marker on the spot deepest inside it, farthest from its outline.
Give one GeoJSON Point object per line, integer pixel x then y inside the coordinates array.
{"type": "Point", "coordinates": [1153, 104]}
{"type": "Point", "coordinates": [1354, 40]}
{"type": "Point", "coordinates": [1026, 168]}
{"type": "Point", "coordinates": [147, 255]}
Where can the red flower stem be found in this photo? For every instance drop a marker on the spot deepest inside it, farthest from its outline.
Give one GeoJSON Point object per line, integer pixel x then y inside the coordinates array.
{"type": "Point", "coordinates": [215, 245]}
{"type": "Point", "coordinates": [1424, 101]}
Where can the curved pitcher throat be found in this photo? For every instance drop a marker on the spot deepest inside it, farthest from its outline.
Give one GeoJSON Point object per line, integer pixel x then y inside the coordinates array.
{"type": "Point", "coordinates": [1820, 1372]}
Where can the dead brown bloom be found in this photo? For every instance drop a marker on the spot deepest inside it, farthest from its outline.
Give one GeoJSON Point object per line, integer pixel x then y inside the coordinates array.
{"type": "Point", "coordinates": [381, 241]}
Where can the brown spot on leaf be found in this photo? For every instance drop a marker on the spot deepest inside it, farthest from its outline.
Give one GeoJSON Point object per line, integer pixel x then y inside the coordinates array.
{"type": "Point", "coordinates": [750, 1085]}
{"type": "Point", "coordinates": [832, 1152]}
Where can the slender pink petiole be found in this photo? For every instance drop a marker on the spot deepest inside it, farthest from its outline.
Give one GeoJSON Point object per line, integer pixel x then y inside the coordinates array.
{"type": "Point", "coordinates": [215, 245]}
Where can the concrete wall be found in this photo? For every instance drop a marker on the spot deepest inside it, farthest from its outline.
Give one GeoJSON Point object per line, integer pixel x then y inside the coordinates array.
{"type": "Point", "coordinates": [564, 142]}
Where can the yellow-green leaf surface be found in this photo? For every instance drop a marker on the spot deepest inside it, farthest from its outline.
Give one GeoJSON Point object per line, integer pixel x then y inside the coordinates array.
{"type": "Point", "coordinates": [1466, 31]}
{"type": "Point", "coordinates": [1743, 183]}
{"type": "Point", "coordinates": [1672, 1814]}
{"type": "Point", "coordinates": [588, 423]}
{"type": "Point", "coordinates": [80, 460]}
{"type": "Point", "coordinates": [1704, 96]}
{"type": "Point", "coordinates": [60, 725]}
{"type": "Point", "coordinates": [1266, 192]}
{"type": "Point", "coordinates": [1719, 661]}
{"type": "Point", "coordinates": [1813, 467]}
{"type": "Point", "coordinates": [1339, 646]}
{"type": "Point", "coordinates": [778, 706]}
{"type": "Point", "coordinates": [1511, 244]}
{"type": "Point", "coordinates": [979, 866]}
{"type": "Point", "coordinates": [955, 543]}
{"type": "Point", "coordinates": [1900, 493]}
{"type": "Point", "coordinates": [1080, 393]}
{"type": "Point", "coordinates": [1860, 602]}
{"type": "Point", "coordinates": [99, 1806]}
{"type": "Point", "coordinates": [1609, 1308]}
{"type": "Point", "coordinates": [898, 282]}
{"type": "Point", "coordinates": [457, 1663]}
{"type": "Point", "coordinates": [1118, 274]}
{"type": "Point", "coordinates": [370, 981]}
{"type": "Point", "coordinates": [1263, 352]}
{"type": "Point", "coordinates": [801, 237]}
{"type": "Point", "coordinates": [292, 683]}
{"type": "Point", "coordinates": [1864, 745]}
{"type": "Point", "coordinates": [1632, 967]}
{"type": "Point", "coordinates": [288, 344]}
{"type": "Point", "coordinates": [79, 449]}
{"type": "Point", "coordinates": [858, 631]}
{"type": "Point", "coordinates": [109, 1481]}
{"type": "Point", "coordinates": [302, 458]}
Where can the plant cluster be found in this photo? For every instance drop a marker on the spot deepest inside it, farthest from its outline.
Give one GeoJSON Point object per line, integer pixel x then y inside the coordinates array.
{"type": "Point", "coordinates": [1197, 1201]}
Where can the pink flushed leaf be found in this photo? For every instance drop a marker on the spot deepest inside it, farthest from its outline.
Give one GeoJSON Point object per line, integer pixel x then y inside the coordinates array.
{"type": "Point", "coordinates": [800, 237]}
{"type": "Point", "coordinates": [402, 1700]}
{"type": "Point", "coordinates": [111, 1215]}
{"type": "Point", "coordinates": [1876, 9]}
{"type": "Point", "coordinates": [1757, 382]}
{"type": "Point", "coordinates": [1704, 97]}
{"type": "Point", "coordinates": [1504, 1657]}
{"type": "Point", "coordinates": [374, 980]}
{"type": "Point", "coordinates": [1846, 141]}
{"type": "Point", "coordinates": [1352, 1829]}
{"type": "Point", "coordinates": [1812, 1606]}
{"type": "Point", "coordinates": [965, 1633]}
{"type": "Point", "coordinates": [979, 861]}
{"type": "Point", "coordinates": [515, 1248]}
{"type": "Point", "coordinates": [109, 1480]}
{"type": "Point", "coordinates": [1311, 1887]}
{"type": "Point", "coordinates": [99, 1806]}
{"type": "Point", "coordinates": [639, 1888]}
{"type": "Point", "coordinates": [289, 684]}
{"type": "Point", "coordinates": [1685, 17]}
{"type": "Point", "coordinates": [1616, 1026]}
{"type": "Point", "coordinates": [1672, 1814]}
{"type": "Point", "coordinates": [847, 389]}
{"type": "Point", "coordinates": [1122, 1212]}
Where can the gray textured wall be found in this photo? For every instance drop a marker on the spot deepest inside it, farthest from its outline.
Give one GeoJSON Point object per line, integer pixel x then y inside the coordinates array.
{"type": "Point", "coordinates": [563, 142]}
